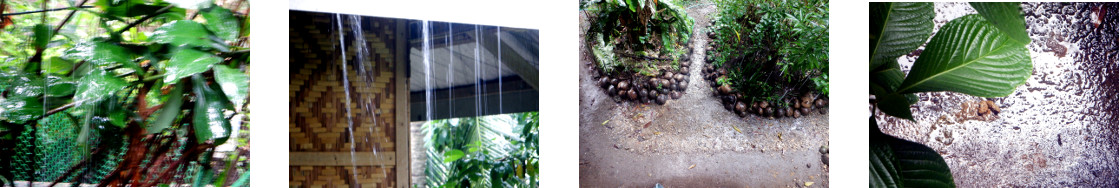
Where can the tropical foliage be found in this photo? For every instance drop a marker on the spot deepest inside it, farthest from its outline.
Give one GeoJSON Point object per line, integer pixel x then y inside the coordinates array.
{"type": "Point", "coordinates": [488, 151]}
{"type": "Point", "coordinates": [768, 46]}
{"type": "Point", "coordinates": [123, 92]}
{"type": "Point", "coordinates": [982, 55]}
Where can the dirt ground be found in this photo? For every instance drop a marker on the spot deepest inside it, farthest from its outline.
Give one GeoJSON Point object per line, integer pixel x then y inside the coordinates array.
{"type": "Point", "coordinates": [1058, 130]}
{"type": "Point", "coordinates": [692, 141]}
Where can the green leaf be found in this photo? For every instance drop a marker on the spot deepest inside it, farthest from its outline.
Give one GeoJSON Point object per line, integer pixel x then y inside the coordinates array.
{"type": "Point", "coordinates": [234, 84]}
{"type": "Point", "coordinates": [42, 36]}
{"type": "Point", "coordinates": [900, 163]}
{"type": "Point", "coordinates": [20, 110]}
{"type": "Point", "coordinates": [210, 124]}
{"type": "Point", "coordinates": [60, 86]}
{"type": "Point", "coordinates": [222, 22]}
{"type": "Point", "coordinates": [452, 155]}
{"type": "Point", "coordinates": [170, 110]}
{"type": "Point", "coordinates": [97, 85]}
{"type": "Point", "coordinates": [897, 29]}
{"type": "Point", "coordinates": [183, 33]}
{"type": "Point", "coordinates": [896, 105]}
{"type": "Point", "coordinates": [186, 62]}
{"type": "Point", "coordinates": [99, 53]}
{"type": "Point", "coordinates": [1007, 16]}
{"type": "Point", "coordinates": [970, 56]}
{"type": "Point", "coordinates": [58, 66]}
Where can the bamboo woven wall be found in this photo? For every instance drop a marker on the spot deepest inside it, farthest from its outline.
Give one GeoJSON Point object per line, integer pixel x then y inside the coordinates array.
{"type": "Point", "coordinates": [319, 137]}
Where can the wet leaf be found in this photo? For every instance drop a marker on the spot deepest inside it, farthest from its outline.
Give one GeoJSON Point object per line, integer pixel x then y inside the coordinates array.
{"type": "Point", "coordinates": [899, 163]}
{"type": "Point", "coordinates": [970, 56]}
{"type": "Point", "coordinates": [222, 22]}
{"type": "Point", "coordinates": [897, 29]}
{"type": "Point", "coordinates": [183, 33]}
{"type": "Point", "coordinates": [210, 124]}
{"type": "Point", "coordinates": [186, 62]}
{"type": "Point", "coordinates": [453, 155]}
{"type": "Point", "coordinates": [1007, 16]}
{"type": "Point", "coordinates": [60, 86]}
{"type": "Point", "coordinates": [101, 54]}
{"type": "Point", "coordinates": [126, 8]}
{"type": "Point", "coordinates": [234, 84]}
{"type": "Point", "coordinates": [20, 110]}
{"type": "Point", "coordinates": [97, 85]}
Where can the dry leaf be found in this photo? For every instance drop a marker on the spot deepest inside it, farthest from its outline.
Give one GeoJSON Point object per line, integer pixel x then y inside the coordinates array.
{"type": "Point", "coordinates": [690, 167]}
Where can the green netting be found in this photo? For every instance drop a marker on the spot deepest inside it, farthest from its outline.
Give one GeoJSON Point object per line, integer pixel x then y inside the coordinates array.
{"type": "Point", "coordinates": [45, 152]}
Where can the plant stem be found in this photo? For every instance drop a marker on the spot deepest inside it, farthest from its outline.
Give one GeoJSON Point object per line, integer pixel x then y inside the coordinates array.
{"type": "Point", "coordinates": [45, 10]}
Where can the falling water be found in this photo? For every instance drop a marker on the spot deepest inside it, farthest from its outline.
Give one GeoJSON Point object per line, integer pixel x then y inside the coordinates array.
{"type": "Point", "coordinates": [450, 66]}
{"type": "Point", "coordinates": [361, 50]}
{"type": "Point", "coordinates": [346, 88]}
{"type": "Point", "coordinates": [500, 109]}
{"type": "Point", "coordinates": [427, 68]}
{"type": "Point", "coordinates": [477, 84]}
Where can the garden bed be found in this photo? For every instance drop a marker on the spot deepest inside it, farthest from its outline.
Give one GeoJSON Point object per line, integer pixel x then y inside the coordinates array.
{"type": "Point", "coordinates": [645, 63]}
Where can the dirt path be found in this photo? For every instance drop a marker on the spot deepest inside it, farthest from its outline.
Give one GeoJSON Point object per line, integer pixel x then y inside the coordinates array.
{"type": "Point", "coordinates": [692, 141]}
{"type": "Point", "coordinates": [1057, 130]}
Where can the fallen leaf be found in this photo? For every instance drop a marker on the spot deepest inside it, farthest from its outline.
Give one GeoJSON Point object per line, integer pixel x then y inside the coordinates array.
{"type": "Point", "coordinates": [736, 129]}
{"type": "Point", "coordinates": [657, 133]}
{"type": "Point", "coordinates": [806, 184]}
{"type": "Point", "coordinates": [604, 122]}
{"type": "Point", "coordinates": [690, 167]}
{"type": "Point", "coordinates": [647, 124]}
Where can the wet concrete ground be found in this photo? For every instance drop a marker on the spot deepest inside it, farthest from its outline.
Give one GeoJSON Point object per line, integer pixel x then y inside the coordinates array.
{"type": "Point", "coordinates": [692, 141]}
{"type": "Point", "coordinates": [1059, 129]}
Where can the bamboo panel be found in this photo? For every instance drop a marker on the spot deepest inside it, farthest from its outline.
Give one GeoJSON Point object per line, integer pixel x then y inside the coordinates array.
{"type": "Point", "coordinates": [319, 130]}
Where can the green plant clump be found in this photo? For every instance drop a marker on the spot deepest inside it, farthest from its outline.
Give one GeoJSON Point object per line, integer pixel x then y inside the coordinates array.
{"type": "Point", "coordinates": [123, 93]}
{"type": "Point", "coordinates": [981, 55]}
{"type": "Point", "coordinates": [636, 35]}
{"type": "Point", "coordinates": [767, 47]}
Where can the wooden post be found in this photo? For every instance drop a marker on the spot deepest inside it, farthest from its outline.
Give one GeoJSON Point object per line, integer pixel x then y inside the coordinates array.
{"type": "Point", "coordinates": [403, 149]}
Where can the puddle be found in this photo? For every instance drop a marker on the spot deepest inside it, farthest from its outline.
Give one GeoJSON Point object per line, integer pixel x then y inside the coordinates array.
{"type": "Point", "coordinates": [1059, 129]}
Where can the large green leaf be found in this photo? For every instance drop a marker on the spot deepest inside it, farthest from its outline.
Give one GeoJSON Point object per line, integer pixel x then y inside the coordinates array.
{"type": "Point", "coordinates": [97, 85]}
{"type": "Point", "coordinates": [210, 124]}
{"type": "Point", "coordinates": [897, 29]}
{"type": "Point", "coordinates": [884, 82]}
{"type": "Point", "coordinates": [21, 109]}
{"type": "Point", "coordinates": [42, 35]}
{"type": "Point", "coordinates": [234, 84]}
{"type": "Point", "coordinates": [183, 33]}
{"type": "Point", "coordinates": [58, 66]}
{"type": "Point", "coordinates": [453, 155]}
{"type": "Point", "coordinates": [900, 163]}
{"type": "Point", "coordinates": [1007, 16]}
{"type": "Point", "coordinates": [186, 62]}
{"type": "Point", "coordinates": [970, 56]}
{"type": "Point", "coordinates": [222, 22]}
{"type": "Point", "coordinates": [99, 53]}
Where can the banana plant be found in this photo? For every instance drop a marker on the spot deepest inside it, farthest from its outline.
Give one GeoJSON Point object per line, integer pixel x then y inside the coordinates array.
{"type": "Point", "coordinates": [981, 55]}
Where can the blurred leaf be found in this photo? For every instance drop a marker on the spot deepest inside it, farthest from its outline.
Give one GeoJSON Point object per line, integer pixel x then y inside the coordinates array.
{"type": "Point", "coordinates": [60, 86]}
{"type": "Point", "coordinates": [183, 33]}
{"type": "Point", "coordinates": [186, 62]}
{"type": "Point", "coordinates": [170, 110]}
{"type": "Point", "coordinates": [453, 155]}
{"type": "Point", "coordinates": [234, 84]}
{"type": "Point", "coordinates": [20, 110]}
{"type": "Point", "coordinates": [101, 54]}
{"type": "Point", "coordinates": [97, 85]}
{"type": "Point", "coordinates": [222, 22]}
{"type": "Point", "coordinates": [125, 8]}
{"type": "Point", "coordinates": [42, 36]}
{"type": "Point", "coordinates": [970, 56]}
{"type": "Point", "coordinates": [210, 124]}
{"type": "Point", "coordinates": [58, 66]}
{"type": "Point", "coordinates": [192, 4]}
